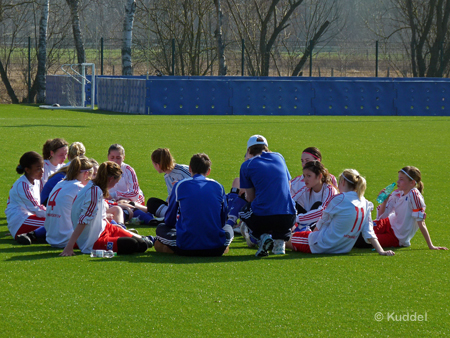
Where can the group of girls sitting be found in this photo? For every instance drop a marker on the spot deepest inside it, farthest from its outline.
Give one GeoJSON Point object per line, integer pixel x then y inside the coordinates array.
{"type": "Point", "coordinates": [85, 206]}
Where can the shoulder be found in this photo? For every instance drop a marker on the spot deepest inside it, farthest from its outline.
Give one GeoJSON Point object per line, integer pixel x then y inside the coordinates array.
{"type": "Point", "coordinates": [127, 167]}
{"type": "Point", "coordinates": [337, 199]}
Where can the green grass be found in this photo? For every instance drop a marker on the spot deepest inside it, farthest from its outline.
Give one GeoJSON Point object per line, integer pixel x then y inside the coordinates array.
{"type": "Point", "coordinates": [237, 295]}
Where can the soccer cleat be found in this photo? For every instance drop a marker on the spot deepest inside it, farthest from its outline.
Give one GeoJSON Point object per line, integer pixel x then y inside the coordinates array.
{"type": "Point", "coordinates": [278, 247]}
{"type": "Point", "coordinates": [150, 240]}
{"type": "Point", "coordinates": [134, 231]}
{"type": "Point", "coordinates": [134, 221]}
{"type": "Point", "coordinates": [23, 239]}
{"type": "Point", "coordinates": [244, 232]}
{"type": "Point", "coordinates": [265, 245]}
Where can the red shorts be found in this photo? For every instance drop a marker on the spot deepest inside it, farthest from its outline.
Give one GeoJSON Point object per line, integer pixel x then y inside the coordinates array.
{"type": "Point", "coordinates": [385, 234]}
{"type": "Point", "coordinates": [299, 241]}
{"type": "Point", "coordinates": [110, 235]}
{"type": "Point", "coordinates": [31, 223]}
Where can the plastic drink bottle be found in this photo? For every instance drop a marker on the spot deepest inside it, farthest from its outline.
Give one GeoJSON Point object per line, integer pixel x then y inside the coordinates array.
{"type": "Point", "coordinates": [382, 196]}
{"type": "Point", "coordinates": [103, 253]}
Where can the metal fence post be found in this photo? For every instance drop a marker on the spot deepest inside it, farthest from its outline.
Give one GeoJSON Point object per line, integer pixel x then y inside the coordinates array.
{"type": "Point", "coordinates": [310, 56]}
{"type": "Point", "coordinates": [173, 57]}
{"type": "Point", "coordinates": [376, 59]}
{"type": "Point", "coordinates": [29, 69]}
{"type": "Point", "coordinates": [242, 57]}
{"type": "Point", "coordinates": [101, 56]}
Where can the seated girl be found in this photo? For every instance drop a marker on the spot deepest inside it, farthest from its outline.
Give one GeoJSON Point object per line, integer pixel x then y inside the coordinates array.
{"type": "Point", "coordinates": [92, 230]}
{"type": "Point", "coordinates": [163, 162]}
{"type": "Point", "coordinates": [313, 198]}
{"type": "Point", "coordinates": [24, 212]}
{"type": "Point", "coordinates": [54, 153]}
{"type": "Point", "coordinates": [128, 187]}
{"type": "Point", "coordinates": [346, 217]}
{"type": "Point", "coordinates": [58, 223]}
{"type": "Point", "coordinates": [308, 155]}
{"type": "Point", "coordinates": [75, 149]}
{"type": "Point", "coordinates": [403, 212]}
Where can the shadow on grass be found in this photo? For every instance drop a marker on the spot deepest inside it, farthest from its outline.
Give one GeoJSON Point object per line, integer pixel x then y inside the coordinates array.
{"type": "Point", "coordinates": [42, 125]}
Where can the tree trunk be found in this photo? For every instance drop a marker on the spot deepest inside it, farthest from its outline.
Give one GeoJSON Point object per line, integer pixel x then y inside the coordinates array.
{"type": "Point", "coordinates": [76, 28]}
{"type": "Point", "coordinates": [42, 52]}
{"type": "Point", "coordinates": [130, 10]}
{"type": "Point", "coordinates": [219, 38]}
{"type": "Point", "coordinates": [7, 84]}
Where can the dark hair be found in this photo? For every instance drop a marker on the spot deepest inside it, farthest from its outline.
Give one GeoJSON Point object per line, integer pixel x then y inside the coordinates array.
{"type": "Point", "coordinates": [53, 145]}
{"type": "Point", "coordinates": [315, 152]}
{"type": "Point", "coordinates": [117, 147]}
{"type": "Point", "coordinates": [163, 157]}
{"type": "Point", "coordinates": [27, 160]}
{"type": "Point", "coordinates": [200, 164]}
{"type": "Point", "coordinates": [416, 175]}
{"type": "Point", "coordinates": [258, 148]}
{"type": "Point", "coordinates": [107, 169]}
{"type": "Point", "coordinates": [318, 168]}
{"type": "Point", "coordinates": [76, 165]}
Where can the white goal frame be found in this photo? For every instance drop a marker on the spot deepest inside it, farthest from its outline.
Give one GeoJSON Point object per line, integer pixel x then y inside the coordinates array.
{"type": "Point", "coordinates": [82, 79]}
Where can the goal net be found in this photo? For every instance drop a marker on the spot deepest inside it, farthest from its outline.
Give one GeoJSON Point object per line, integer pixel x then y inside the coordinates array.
{"type": "Point", "coordinates": [75, 90]}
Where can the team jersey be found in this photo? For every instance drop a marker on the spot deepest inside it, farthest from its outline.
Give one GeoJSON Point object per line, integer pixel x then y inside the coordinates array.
{"type": "Point", "coordinates": [128, 187]}
{"type": "Point", "coordinates": [298, 183]}
{"type": "Point", "coordinates": [49, 170]}
{"type": "Point", "coordinates": [268, 174]}
{"type": "Point", "coordinates": [306, 197]}
{"type": "Point", "coordinates": [404, 211]}
{"type": "Point", "coordinates": [48, 187]}
{"type": "Point", "coordinates": [23, 202]}
{"type": "Point", "coordinates": [179, 172]}
{"type": "Point", "coordinates": [197, 209]}
{"type": "Point", "coordinates": [58, 222]}
{"type": "Point", "coordinates": [89, 208]}
{"type": "Point", "coordinates": [345, 217]}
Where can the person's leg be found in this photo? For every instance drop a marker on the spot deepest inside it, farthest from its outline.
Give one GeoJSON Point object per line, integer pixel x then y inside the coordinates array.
{"type": "Point", "coordinates": [281, 233]}
{"type": "Point", "coordinates": [27, 231]}
{"type": "Point", "coordinates": [143, 217]}
{"type": "Point", "coordinates": [166, 239]}
{"type": "Point", "coordinates": [117, 214]}
{"type": "Point", "coordinates": [299, 242]}
{"type": "Point", "coordinates": [157, 206]}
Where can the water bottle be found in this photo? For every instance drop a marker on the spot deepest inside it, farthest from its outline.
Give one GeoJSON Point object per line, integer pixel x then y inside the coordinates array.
{"type": "Point", "coordinates": [382, 196]}
{"type": "Point", "coordinates": [103, 253]}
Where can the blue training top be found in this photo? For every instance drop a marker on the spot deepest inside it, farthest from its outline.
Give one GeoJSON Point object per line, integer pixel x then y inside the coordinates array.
{"type": "Point", "coordinates": [268, 174]}
{"type": "Point", "coordinates": [48, 187]}
{"type": "Point", "coordinates": [200, 205]}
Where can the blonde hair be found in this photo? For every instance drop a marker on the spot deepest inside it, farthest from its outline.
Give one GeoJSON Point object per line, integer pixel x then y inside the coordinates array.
{"type": "Point", "coordinates": [355, 181]}
{"type": "Point", "coordinates": [76, 149]}
{"type": "Point", "coordinates": [76, 165]}
{"type": "Point", "coordinates": [416, 175]}
{"type": "Point", "coordinates": [107, 169]}
{"type": "Point", "coordinates": [117, 147]}
{"type": "Point", "coordinates": [60, 170]}
{"type": "Point", "coordinates": [52, 145]}
{"type": "Point", "coordinates": [164, 158]}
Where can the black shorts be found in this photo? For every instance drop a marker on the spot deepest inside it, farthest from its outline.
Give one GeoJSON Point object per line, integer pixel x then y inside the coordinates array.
{"type": "Point", "coordinates": [279, 226]}
{"type": "Point", "coordinates": [168, 236]}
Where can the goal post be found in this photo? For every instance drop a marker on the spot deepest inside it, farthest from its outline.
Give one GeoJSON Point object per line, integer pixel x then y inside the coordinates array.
{"type": "Point", "coordinates": [69, 90]}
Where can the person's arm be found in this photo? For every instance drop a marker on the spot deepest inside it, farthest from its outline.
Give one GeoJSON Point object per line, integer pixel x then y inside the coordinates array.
{"type": "Point", "coordinates": [68, 250]}
{"type": "Point", "coordinates": [132, 192]}
{"type": "Point", "coordinates": [28, 200]}
{"type": "Point", "coordinates": [171, 214]}
{"type": "Point", "coordinates": [379, 249]}
{"type": "Point", "coordinates": [250, 194]}
{"type": "Point", "coordinates": [426, 235]}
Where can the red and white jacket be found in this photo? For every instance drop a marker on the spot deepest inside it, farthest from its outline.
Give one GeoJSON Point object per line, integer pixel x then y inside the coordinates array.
{"type": "Point", "coordinates": [306, 197]}
{"type": "Point", "coordinates": [297, 183]}
{"type": "Point", "coordinates": [128, 187]}
{"type": "Point", "coordinates": [24, 201]}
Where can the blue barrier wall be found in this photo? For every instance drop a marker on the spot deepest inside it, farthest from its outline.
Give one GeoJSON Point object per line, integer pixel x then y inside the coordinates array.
{"type": "Point", "coordinates": [174, 95]}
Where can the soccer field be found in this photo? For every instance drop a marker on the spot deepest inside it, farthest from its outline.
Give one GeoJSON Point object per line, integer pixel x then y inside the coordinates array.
{"type": "Point", "coordinates": [155, 295]}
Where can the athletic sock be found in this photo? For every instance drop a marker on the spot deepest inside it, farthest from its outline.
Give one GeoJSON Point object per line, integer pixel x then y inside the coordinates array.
{"type": "Point", "coordinates": [127, 245]}
{"type": "Point", "coordinates": [144, 217]}
{"type": "Point", "coordinates": [40, 232]}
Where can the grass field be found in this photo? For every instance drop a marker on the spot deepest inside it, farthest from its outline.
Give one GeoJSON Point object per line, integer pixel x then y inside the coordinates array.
{"type": "Point", "coordinates": [153, 295]}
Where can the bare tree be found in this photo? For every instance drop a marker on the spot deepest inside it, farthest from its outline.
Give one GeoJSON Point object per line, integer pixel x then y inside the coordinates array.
{"type": "Point", "coordinates": [219, 38]}
{"type": "Point", "coordinates": [76, 28]}
{"type": "Point", "coordinates": [130, 10]}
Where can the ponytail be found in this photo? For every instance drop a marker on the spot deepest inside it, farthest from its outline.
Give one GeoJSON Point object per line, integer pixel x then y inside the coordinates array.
{"type": "Point", "coordinates": [107, 169]}
{"type": "Point", "coordinates": [27, 160]}
{"type": "Point", "coordinates": [76, 149]}
{"type": "Point", "coordinates": [76, 166]}
{"type": "Point", "coordinates": [163, 157]}
{"type": "Point", "coordinates": [415, 174]}
{"type": "Point", "coordinates": [355, 181]}
{"type": "Point", "coordinates": [53, 145]}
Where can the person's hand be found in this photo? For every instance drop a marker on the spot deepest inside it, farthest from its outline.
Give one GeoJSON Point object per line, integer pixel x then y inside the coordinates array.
{"type": "Point", "coordinates": [387, 253]}
{"type": "Point", "coordinates": [67, 252]}
{"type": "Point", "coordinates": [438, 248]}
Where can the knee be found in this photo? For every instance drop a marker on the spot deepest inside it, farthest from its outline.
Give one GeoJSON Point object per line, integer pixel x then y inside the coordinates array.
{"type": "Point", "coordinates": [153, 204]}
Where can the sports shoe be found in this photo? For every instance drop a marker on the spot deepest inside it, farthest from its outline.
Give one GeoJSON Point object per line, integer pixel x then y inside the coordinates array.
{"type": "Point", "coordinates": [134, 231]}
{"type": "Point", "coordinates": [134, 221]}
{"type": "Point", "coordinates": [278, 247]}
{"type": "Point", "coordinates": [23, 239]}
{"type": "Point", "coordinates": [244, 232]}
{"type": "Point", "coordinates": [150, 240]}
{"type": "Point", "coordinates": [265, 245]}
